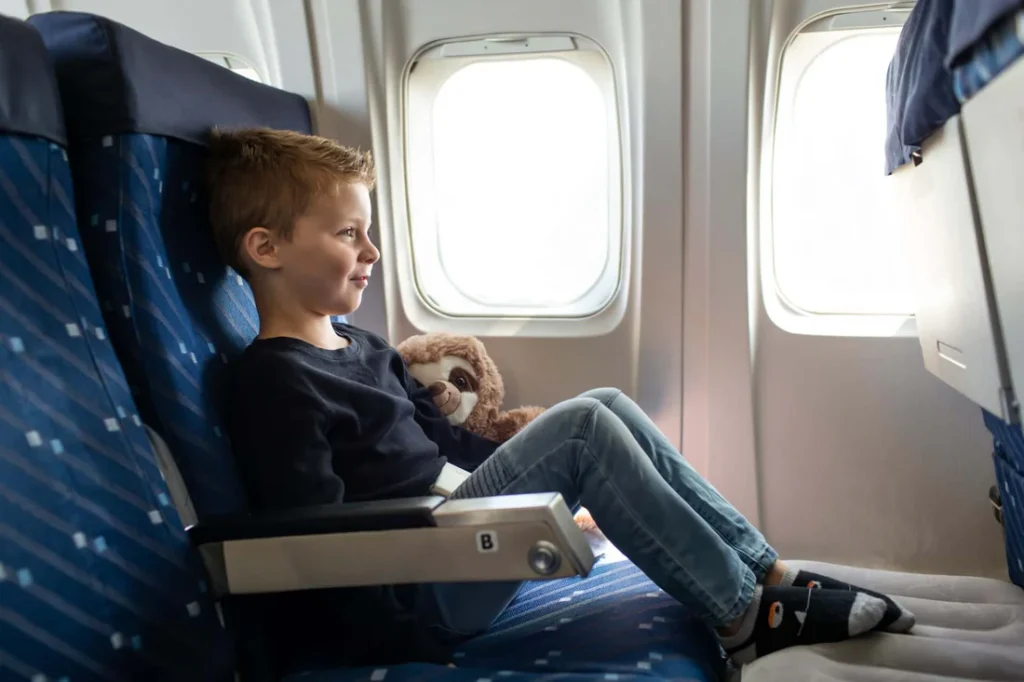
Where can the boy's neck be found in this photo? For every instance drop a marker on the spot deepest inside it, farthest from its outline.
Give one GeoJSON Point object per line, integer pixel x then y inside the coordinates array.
{"type": "Point", "coordinates": [293, 321]}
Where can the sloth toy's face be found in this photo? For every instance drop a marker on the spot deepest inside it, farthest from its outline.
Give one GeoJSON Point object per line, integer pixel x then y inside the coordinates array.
{"type": "Point", "coordinates": [453, 384]}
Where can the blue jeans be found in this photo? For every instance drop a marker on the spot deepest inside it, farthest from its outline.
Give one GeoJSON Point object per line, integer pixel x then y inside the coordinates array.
{"type": "Point", "coordinates": [600, 450]}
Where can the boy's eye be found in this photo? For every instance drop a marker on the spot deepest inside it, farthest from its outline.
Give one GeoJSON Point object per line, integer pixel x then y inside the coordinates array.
{"type": "Point", "coordinates": [348, 232]}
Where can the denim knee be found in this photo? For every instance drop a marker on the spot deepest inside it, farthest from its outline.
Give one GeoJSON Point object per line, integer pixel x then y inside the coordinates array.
{"type": "Point", "coordinates": [602, 395]}
{"type": "Point", "coordinates": [567, 420]}
{"type": "Point", "coordinates": [579, 412]}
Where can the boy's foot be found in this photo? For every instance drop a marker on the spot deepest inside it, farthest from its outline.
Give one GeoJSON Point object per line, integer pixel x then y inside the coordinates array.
{"type": "Point", "coordinates": [779, 617]}
{"type": "Point", "coordinates": [896, 619]}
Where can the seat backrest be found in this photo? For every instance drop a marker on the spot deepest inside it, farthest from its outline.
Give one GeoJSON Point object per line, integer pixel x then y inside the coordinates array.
{"type": "Point", "coordinates": [138, 114]}
{"type": "Point", "coordinates": [97, 578]}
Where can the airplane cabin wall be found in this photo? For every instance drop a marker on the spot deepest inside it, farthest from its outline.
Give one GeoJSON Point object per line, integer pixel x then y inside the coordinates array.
{"type": "Point", "coordinates": [642, 355]}
{"type": "Point", "coordinates": [863, 456]}
{"type": "Point", "coordinates": [840, 448]}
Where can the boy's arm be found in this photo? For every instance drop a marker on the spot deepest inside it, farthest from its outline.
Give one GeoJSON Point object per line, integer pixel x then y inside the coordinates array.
{"type": "Point", "coordinates": [462, 448]}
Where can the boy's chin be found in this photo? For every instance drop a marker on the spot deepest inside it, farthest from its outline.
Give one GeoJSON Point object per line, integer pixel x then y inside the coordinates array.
{"type": "Point", "coordinates": [346, 307]}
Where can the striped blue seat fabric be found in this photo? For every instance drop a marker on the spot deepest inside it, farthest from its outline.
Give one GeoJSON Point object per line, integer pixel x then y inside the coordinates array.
{"type": "Point", "coordinates": [1008, 455]}
{"type": "Point", "coordinates": [97, 578]}
{"type": "Point", "coordinates": [613, 625]}
{"type": "Point", "coordinates": [614, 622]}
{"type": "Point", "coordinates": [421, 672]}
{"type": "Point", "coordinates": [177, 314]}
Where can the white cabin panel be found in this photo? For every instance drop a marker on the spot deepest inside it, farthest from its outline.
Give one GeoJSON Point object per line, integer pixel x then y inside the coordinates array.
{"type": "Point", "coordinates": [845, 446]}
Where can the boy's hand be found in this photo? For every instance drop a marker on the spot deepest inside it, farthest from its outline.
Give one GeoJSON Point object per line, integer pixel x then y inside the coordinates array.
{"type": "Point", "coordinates": [584, 521]}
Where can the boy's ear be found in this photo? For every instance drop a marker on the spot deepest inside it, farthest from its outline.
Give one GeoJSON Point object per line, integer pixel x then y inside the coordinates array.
{"type": "Point", "coordinates": [260, 247]}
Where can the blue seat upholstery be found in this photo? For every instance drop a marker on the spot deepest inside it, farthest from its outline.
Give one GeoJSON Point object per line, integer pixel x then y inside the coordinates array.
{"type": "Point", "coordinates": [97, 578]}
{"type": "Point", "coordinates": [1008, 456]}
{"type": "Point", "coordinates": [418, 672]}
{"type": "Point", "coordinates": [614, 622]}
{"type": "Point", "coordinates": [176, 315]}
{"type": "Point", "coordinates": [613, 625]}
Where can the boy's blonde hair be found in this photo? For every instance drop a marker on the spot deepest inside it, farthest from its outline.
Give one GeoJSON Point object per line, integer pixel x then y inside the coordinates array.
{"type": "Point", "coordinates": [259, 177]}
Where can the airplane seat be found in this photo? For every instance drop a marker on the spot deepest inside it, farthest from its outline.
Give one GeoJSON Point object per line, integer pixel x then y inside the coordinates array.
{"type": "Point", "coordinates": [1008, 455]}
{"type": "Point", "coordinates": [137, 112]}
{"type": "Point", "coordinates": [97, 578]}
{"type": "Point", "coordinates": [177, 315]}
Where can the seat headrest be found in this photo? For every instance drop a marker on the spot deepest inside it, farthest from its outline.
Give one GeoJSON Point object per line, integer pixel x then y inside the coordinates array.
{"type": "Point", "coordinates": [114, 80]}
{"type": "Point", "coordinates": [29, 102]}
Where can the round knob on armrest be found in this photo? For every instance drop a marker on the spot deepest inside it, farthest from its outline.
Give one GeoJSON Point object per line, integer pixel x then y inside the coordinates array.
{"type": "Point", "coordinates": [545, 558]}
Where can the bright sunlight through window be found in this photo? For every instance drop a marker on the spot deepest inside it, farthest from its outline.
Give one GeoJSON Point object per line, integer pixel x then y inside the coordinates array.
{"type": "Point", "coordinates": [836, 247]}
{"type": "Point", "coordinates": [514, 187]}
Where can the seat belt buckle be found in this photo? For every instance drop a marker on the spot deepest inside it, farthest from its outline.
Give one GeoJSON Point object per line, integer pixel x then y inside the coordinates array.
{"type": "Point", "coordinates": [450, 478]}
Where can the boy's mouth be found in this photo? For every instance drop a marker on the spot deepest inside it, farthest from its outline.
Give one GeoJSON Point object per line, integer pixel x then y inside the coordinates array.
{"type": "Point", "coordinates": [361, 281]}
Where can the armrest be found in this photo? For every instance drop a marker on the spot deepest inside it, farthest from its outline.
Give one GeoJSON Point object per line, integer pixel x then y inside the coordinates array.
{"type": "Point", "coordinates": [419, 540]}
{"type": "Point", "coordinates": [351, 517]}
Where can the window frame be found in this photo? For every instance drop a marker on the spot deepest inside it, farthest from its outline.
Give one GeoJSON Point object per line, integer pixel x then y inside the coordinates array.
{"type": "Point", "coordinates": [781, 311]}
{"type": "Point", "coordinates": [444, 58]}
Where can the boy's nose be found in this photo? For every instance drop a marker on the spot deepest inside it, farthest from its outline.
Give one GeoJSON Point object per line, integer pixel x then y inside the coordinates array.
{"type": "Point", "coordinates": [371, 254]}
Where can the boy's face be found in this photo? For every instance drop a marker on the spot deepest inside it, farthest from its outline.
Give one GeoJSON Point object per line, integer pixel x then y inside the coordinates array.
{"type": "Point", "coordinates": [327, 261]}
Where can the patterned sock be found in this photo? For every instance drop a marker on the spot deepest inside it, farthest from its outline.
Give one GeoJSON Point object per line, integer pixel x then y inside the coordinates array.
{"type": "Point", "coordinates": [780, 617]}
{"type": "Point", "coordinates": [897, 618]}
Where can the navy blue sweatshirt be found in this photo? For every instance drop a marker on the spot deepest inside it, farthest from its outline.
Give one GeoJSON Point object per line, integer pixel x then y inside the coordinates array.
{"type": "Point", "coordinates": [311, 426]}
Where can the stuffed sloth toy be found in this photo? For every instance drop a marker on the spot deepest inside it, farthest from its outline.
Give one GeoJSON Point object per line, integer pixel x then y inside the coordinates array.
{"type": "Point", "coordinates": [464, 383]}
{"type": "Point", "coordinates": [467, 388]}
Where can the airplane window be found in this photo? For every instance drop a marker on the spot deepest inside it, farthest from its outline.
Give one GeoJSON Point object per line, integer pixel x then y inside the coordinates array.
{"type": "Point", "coordinates": [835, 245]}
{"type": "Point", "coordinates": [514, 185]}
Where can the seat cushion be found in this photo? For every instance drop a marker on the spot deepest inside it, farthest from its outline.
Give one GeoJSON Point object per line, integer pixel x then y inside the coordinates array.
{"type": "Point", "coordinates": [421, 672]}
{"type": "Point", "coordinates": [614, 621]}
{"type": "Point", "coordinates": [967, 629]}
{"type": "Point", "coordinates": [614, 624]}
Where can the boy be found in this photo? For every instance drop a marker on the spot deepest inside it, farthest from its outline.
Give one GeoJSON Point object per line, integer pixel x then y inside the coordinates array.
{"type": "Point", "coordinates": [323, 413]}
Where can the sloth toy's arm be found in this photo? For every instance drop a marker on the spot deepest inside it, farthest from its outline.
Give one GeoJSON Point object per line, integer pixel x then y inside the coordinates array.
{"type": "Point", "coordinates": [508, 424]}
